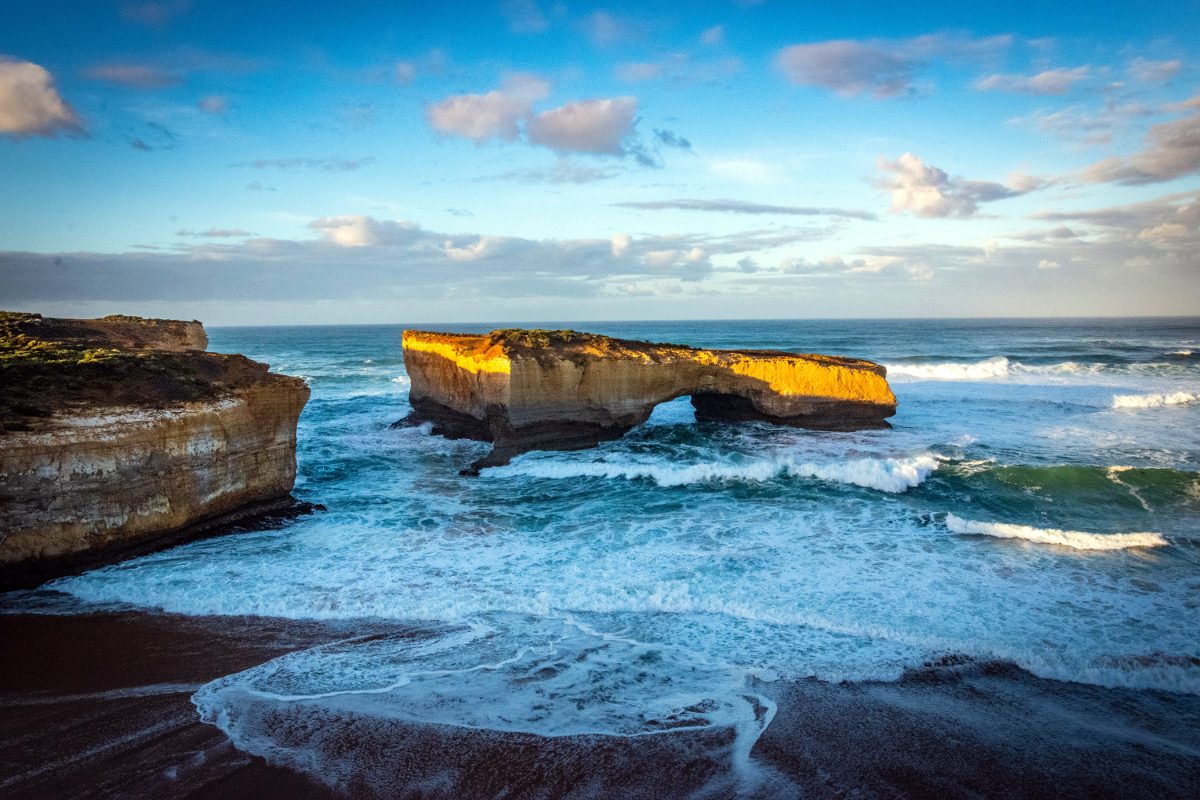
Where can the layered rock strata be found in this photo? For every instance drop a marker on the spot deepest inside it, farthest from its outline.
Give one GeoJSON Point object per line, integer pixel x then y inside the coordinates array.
{"type": "Point", "coordinates": [563, 390]}
{"type": "Point", "coordinates": [122, 435]}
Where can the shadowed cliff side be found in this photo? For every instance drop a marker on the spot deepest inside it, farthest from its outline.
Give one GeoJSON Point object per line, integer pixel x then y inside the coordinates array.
{"type": "Point", "coordinates": [563, 390]}
{"type": "Point", "coordinates": [121, 434]}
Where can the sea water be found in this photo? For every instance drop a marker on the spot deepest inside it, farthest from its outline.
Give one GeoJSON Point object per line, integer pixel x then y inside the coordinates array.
{"type": "Point", "coordinates": [1036, 501]}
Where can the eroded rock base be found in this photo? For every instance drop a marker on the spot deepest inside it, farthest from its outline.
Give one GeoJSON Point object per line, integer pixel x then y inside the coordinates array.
{"type": "Point", "coordinates": [841, 416]}
{"type": "Point", "coordinates": [258, 516]}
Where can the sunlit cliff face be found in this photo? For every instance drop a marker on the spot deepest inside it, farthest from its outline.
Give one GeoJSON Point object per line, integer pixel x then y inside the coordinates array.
{"type": "Point", "coordinates": [464, 351]}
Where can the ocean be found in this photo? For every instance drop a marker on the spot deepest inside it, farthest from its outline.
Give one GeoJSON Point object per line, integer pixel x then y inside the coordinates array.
{"type": "Point", "coordinates": [1035, 503]}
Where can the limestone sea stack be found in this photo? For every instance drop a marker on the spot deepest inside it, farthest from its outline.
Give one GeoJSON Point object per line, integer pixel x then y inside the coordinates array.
{"type": "Point", "coordinates": [564, 390]}
{"type": "Point", "coordinates": [121, 434]}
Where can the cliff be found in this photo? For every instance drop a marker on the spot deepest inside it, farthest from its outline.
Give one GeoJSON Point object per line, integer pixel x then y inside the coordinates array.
{"type": "Point", "coordinates": [563, 390]}
{"type": "Point", "coordinates": [122, 435]}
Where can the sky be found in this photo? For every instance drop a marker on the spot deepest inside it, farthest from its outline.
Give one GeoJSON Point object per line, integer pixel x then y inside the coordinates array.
{"type": "Point", "coordinates": [522, 160]}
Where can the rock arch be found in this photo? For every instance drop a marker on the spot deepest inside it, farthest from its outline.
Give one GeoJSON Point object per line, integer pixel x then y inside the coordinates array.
{"type": "Point", "coordinates": [563, 390]}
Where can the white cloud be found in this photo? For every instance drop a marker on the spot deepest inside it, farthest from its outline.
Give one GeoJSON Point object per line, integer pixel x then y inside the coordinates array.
{"type": "Point", "coordinates": [1047, 263]}
{"type": "Point", "coordinates": [620, 245]}
{"type": "Point", "coordinates": [1147, 71]}
{"type": "Point", "coordinates": [873, 264]}
{"type": "Point", "coordinates": [915, 269]}
{"type": "Point", "coordinates": [30, 104]}
{"type": "Point", "coordinates": [495, 115]}
{"type": "Point", "coordinates": [927, 191]}
{"type": "Point", "coordinates": [135, 76]}
{"type": "Point", "coordinates": [564, 170]}
{"type": "Point", "coordinates": [660, 259]}
{"type": "Point", "coordinates": [213, 104]}
{"type": "Point", "coordinates": [1167, 230]}
{"type": "Point", "coordinates": [679, 69]}
{"type": "Point", "coordinates": [524, 16]}
{"type": "Point", "coordinates": [589, 126]}
{"type": "Point", "coordinates": [406, 72]}
{"type": "Point", "coordinates": [1171, 150]}
{"type": "Point", "coordinates": [361, 231]}
{"type": "Point", "coordinates": [742, 207]}
{"type": "Point", "coordinates": [713, 35]}
{"type": "Point", "coordinates": [635, 72]}
{"type": "Point", "coordinates": [881, 68]}
{"type": "Point", "coordinates": [605, 29]}
{"type": "Point", "coordinates": [847, 67]}
{"type": "Point", "coordinates": [745, 170]}
{"type": "Point", "coordinates": [602, 126]}
{"type": "Point", "coordinates": [1051, 81]}
{"type": "Point", "coordinates": [483, 247]}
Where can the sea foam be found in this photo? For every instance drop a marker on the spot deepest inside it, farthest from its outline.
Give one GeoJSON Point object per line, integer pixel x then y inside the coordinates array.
{"type": "Point", "coordinates": [997, 367]}
{"type": "Point", "coordinates": [501, 675]}
{"type": "Point", "coordinates": [1078, 540]}
{"type": "Point", "coordinates": [987, 369]}
{"type": "Point", "coordinates": [894, 475]}
{"type": "Point", "coordinates": [1154, 400]}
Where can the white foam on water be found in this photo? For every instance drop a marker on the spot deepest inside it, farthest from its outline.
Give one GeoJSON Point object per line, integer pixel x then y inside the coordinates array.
{"type": "Point", "coordinates": [1184, 352]}
{"type": "Point", "coordinates": [1154, 400]}
{"type": "Point", "coordinates": [548, 677]}
{"type": "Point", "coordinates": [1000, 367]}
{"type": "Point", "coordinates": [996, 367]}
{"type": "Point", "coordinates": [894, 475]}
{"type": "Point", "coordinates": [1077, 540]}
{"type": "Point", "coordinates": [1114, 475]}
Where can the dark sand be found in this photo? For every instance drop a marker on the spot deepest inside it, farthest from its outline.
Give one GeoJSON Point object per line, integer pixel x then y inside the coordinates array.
{"type": "Point", "coordinates": [98, 705]}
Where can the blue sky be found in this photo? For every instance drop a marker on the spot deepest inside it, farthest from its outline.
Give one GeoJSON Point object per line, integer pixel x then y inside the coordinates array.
{"type": "Point", "coordinates": [525, 161]}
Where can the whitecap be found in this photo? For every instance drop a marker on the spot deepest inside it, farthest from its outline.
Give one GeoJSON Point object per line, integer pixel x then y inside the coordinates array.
{"type": "Point", "coordinates": [1154, 400]}
{"type": "Point", "coordinates": [1078, 540]}
{"type": "Point", "coordinates": [996, 367]}
{"type": "Point", "coordinates": [894, 475]}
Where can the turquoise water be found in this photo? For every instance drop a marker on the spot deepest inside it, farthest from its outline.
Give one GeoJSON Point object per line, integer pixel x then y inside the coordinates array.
{"type": "Point", "coordinates": [1037, 501]}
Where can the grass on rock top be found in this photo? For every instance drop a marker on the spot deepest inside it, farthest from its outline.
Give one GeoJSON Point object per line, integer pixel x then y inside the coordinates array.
{"type": "Point", "coordinates": [41, 376]}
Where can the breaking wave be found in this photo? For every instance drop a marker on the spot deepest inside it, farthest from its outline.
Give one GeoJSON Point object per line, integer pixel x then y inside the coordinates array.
{"type": "Point", "coordinates": [1075, 539]}
{"type": "Point", "coordinates": [894, 475]}
{"type": "Point", "coordinates": [989, 368]}
{"type": "Point", "coordinates": [1154, 400]}
{"type": "Point", "coordinates": [997, 367]}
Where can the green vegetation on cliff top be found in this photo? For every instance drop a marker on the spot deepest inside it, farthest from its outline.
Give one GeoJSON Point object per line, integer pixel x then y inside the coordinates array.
{"type": "Point", "coordinates": [41, 375]}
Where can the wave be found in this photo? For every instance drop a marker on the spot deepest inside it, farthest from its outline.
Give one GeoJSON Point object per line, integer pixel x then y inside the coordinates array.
{"type": "Point", "coordinates": [1075, 539]}
{"type": "Point", "coordinates": [997, 367]}
{"type": "Point", "coordinates": [1184, 352]}
{"type": "Point", "coordinates": [988, 368]}
{"type": "Point", "coordinates": [894, 475]}
{"type": "Point", "coordinates": [1154, 400]}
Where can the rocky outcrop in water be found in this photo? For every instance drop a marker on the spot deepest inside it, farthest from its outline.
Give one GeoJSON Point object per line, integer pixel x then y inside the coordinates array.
{"type": "Point", "coordinates": [122, 434]}
{"type": "Point", "coordinates": [562, 390]}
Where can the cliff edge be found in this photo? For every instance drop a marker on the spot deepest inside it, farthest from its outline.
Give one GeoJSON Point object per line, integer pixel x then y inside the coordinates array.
{"type": "Point", "coordinates": [120, 435]}
{"type": "Point", "coordinates": [563, 390]}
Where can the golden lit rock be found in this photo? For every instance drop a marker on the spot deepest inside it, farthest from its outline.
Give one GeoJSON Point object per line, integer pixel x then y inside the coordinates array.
{"type": "Point", "coordinates": [562, 390]}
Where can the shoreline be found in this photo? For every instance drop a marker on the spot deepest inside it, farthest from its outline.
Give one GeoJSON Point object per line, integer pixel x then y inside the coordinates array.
{"type": "Point", "coordinates": [98, 704]}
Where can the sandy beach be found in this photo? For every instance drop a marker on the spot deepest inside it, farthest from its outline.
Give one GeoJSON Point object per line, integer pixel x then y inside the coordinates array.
{"type": "Point", "coordinates": [98, 705]}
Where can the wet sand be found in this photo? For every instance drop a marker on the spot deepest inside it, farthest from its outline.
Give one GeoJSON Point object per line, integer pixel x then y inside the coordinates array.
{"type": "Point", "coordinates": [97, 705]}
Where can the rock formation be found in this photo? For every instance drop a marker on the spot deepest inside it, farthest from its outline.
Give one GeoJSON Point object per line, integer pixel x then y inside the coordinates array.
{"type": "Point", "coordinates": [121, 435]}
{"type": "Point", "coordinates": [563, 390]}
